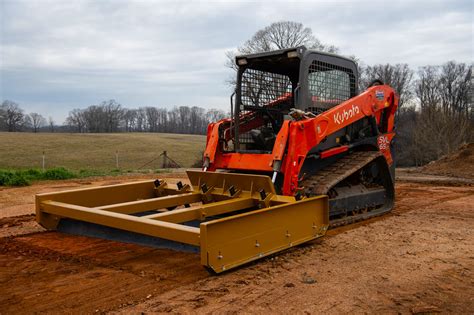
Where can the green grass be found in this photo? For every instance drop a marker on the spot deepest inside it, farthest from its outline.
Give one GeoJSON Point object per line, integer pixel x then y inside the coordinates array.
{"type": "Point", "coordinates": [25, 177]}
{"type": "Point", "coordinates": [94, 154]}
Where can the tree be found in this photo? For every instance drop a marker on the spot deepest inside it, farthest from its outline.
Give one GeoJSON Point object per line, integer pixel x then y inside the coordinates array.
{"type": "Point", "coordinates": [37, 121]}
{"type": "Point", "coordinates": [427, 88]}
{"type": "Point", "coordinates": [214, 115]}
{"type": "Point", "coordinates": [51, 124]}
{"type": "Point", "coordinates": [12, 116]}
{"type": "Point", "coordinates": [278, 35]}
{"type": "Point", "coordinates": [77, 120]}
{"type": "Point", "coordinates": [184, 119]}
{"type": "Point", "coordinates": [281, 35]}
{"type": "Point", "coordinates": [455, 84]}
{"type": "Point", "coordinates": [141, 119]}
{"type": "Point", "coordinates": [130, 119]}
{"type": "Point", "coordinates": [197, 120]}
{"type": "Point", "coordinates": [94, 118]}
{"type": "Point", "coordinates": [443, 120]}
{"type": "Point", "coordinates": [152, 117]}
{"type": "Point", "coordinates": [3, 115]}
{"type": "Point", "coordinates": [112, 114]}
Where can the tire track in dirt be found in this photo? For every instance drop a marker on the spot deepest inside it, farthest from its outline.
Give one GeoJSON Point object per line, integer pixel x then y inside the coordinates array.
{"type": "Point", "coordinates": [84, 274]}
{"type": "Point", "coordinates": [360, 265]}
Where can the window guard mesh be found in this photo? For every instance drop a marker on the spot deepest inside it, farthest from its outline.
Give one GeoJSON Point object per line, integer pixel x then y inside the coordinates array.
{"type": "Point", "coordinates": [329, 85]}
{"type": "Point", "coordinates": [260, 88]}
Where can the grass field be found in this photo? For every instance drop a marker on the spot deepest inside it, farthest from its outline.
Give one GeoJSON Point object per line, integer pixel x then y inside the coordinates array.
{"type": "Point", "coordinates": [78, 152]}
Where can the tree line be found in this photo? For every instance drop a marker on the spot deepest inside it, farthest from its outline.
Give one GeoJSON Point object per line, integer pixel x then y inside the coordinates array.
{"type": "Point", "coordinates": [435, 114]}
{"type": "Point", "coordinates": [13, 118]}
{"type": "Point", "coordinates": [111, 116]}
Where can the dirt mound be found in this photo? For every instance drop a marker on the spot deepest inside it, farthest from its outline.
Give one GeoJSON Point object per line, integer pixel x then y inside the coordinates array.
{"type": "Point", "coordinates": [458, 164]}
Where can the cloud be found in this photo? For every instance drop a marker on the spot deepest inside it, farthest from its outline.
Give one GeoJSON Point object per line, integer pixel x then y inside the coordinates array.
{"type": "Point", "coordinates": [58, 55]}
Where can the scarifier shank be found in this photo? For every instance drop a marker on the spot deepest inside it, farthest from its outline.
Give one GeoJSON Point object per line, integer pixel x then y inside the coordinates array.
{"type": "Point", "coordinates": [241, 216]}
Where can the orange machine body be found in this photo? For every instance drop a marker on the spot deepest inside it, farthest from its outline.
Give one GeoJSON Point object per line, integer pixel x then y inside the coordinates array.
{"type": "Point", "coordinates": [297, 137]}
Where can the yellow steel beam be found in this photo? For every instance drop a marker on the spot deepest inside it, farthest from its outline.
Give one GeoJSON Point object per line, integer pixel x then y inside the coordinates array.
{"type": "Point", "coordinates": [235, 240]}
{"type": "Point", "coordinates": [153, 203]}
{"type": "Point", "coordinates": [166, 230]}
{"type": "Point", "coordinates": [174, 191]}
{"type": "Point", "coordinates": [280, 199]}
{"type": "Point", "coordinates": [207, 210]}
{"type": "Point", "coordinates": [103, 195]}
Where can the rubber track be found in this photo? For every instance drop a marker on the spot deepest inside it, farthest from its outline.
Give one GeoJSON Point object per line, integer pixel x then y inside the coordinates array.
{"type": "Point", "coordinates": [321, 183]}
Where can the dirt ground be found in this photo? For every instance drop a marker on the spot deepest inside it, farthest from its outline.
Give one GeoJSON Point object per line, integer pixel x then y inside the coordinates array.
{"type": "Point", "coordinates": [460, 163]}
{"type": "Point", "coordinates": [418, 259]}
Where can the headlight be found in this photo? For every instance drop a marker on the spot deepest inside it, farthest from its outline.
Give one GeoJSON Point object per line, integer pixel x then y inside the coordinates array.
{"type": "Point", "coordinates": [242, 61]}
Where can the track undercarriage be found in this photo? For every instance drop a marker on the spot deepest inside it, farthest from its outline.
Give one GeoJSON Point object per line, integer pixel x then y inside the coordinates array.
{"type": "Point", "coordinates": [359, 186]}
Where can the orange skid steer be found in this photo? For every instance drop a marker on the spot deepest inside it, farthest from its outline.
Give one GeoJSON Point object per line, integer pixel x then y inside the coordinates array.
{"type": "Point", "coordinates": [303, 151]}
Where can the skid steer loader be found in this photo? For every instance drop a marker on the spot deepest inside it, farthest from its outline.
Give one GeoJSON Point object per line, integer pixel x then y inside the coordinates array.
{"type": "Point", "coordinates": [303, 151]}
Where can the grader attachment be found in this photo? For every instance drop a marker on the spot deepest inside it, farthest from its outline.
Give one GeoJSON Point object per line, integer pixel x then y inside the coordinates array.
{"type": "Point", "coordinates": [231, 218]}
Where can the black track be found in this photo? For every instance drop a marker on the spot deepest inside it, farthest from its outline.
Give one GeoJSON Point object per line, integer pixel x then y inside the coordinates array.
{"type": "Point", "coordinates": [359, 186]}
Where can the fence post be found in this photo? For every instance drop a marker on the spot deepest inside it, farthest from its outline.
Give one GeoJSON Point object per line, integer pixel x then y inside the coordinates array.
{"type": "Point", "coordinates": [43, 164]}
{"type": "Point", "coordinates": [165, 158]}
{"type": "Point", "coordinates": [116, 159]}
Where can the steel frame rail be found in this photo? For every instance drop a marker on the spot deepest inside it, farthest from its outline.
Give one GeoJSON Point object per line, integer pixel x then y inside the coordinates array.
{"type": "Point", "coordinates": [241, 216]}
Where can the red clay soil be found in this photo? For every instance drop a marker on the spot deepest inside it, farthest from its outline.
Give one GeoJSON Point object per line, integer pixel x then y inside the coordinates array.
{"type": "Point", "coordinates": [418, 259]}
{"type": "Point", "coordinates": [458, 164]}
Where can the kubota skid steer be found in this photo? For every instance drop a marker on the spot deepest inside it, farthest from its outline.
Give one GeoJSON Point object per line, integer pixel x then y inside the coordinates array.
{"type": "Point", "coordinates": [302, 151]}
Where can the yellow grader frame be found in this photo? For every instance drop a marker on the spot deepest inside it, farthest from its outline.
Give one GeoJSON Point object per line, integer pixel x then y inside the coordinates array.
{"type": "Point", "coordinates": [240, 217]}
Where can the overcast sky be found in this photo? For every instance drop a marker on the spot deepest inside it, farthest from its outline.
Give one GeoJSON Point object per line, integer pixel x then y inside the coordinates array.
{"type": "Point", "coordinates": [59, 55]}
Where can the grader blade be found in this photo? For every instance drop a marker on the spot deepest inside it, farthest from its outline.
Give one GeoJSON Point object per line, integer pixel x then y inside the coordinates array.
{"type": "Point", "coordinates": [230, 218]}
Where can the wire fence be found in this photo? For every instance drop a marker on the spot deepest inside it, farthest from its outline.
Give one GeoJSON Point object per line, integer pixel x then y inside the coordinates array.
{"type": "Point", "coordinates": [111, 160]}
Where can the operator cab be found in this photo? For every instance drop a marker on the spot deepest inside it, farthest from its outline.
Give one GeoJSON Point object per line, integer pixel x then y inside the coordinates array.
{"type": "Point", "coordinates": [270, 84]}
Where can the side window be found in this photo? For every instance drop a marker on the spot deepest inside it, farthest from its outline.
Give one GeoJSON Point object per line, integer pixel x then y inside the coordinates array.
{"type": "Point", "coordinates": [329, 85]}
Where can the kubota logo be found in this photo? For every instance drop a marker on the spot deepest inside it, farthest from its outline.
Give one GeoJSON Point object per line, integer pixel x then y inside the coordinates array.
{"type": "Point", "coordinates": [339, 117]}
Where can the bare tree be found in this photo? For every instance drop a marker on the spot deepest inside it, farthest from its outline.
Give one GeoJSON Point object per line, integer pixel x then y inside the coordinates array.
{"type": "Point", "coordinates": [106, 117]}
{"type": "Point", "coordinates": [141, 120]}
{"type": "Point", "coordinates": [281, 35]}
{"type": "Point", "coordinates": [444, 119]}
{"type": "Point", "coordinates": [3, 115]}
{"type": "Point", "coordinates": [37, 121]}
{"type": "Point", "coordinates": [173, 119]}
{"type": "Point", "coordinates": [130, 119]}
{"type": "Point", "coordinates": [112, 115]}
{"type": "Point", "coordinates": [427, 88]}
{"type": "Point", "coordinates": [162, 120]}
{"type": "Point", "coordinates": [214, 115]}
{"type": "Point", "coordinates": [447, 86]}
{"type": "Point", "coordinates": [51, 124]}
{"type": "Point", "coordinates": [152, 117]}
{"type": "Point", "coordinates": [455, 85]}
{"type": "Point", "coordinates": [77, 120]}
{"type": "Point", "coordinates": [12, 116]}
{"type": "Point", "coordinates": [94, 118]}
{"type": "Point", "coordinates": [278, 35]}
{"type": "Point", "coordinates": [197, 120]}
